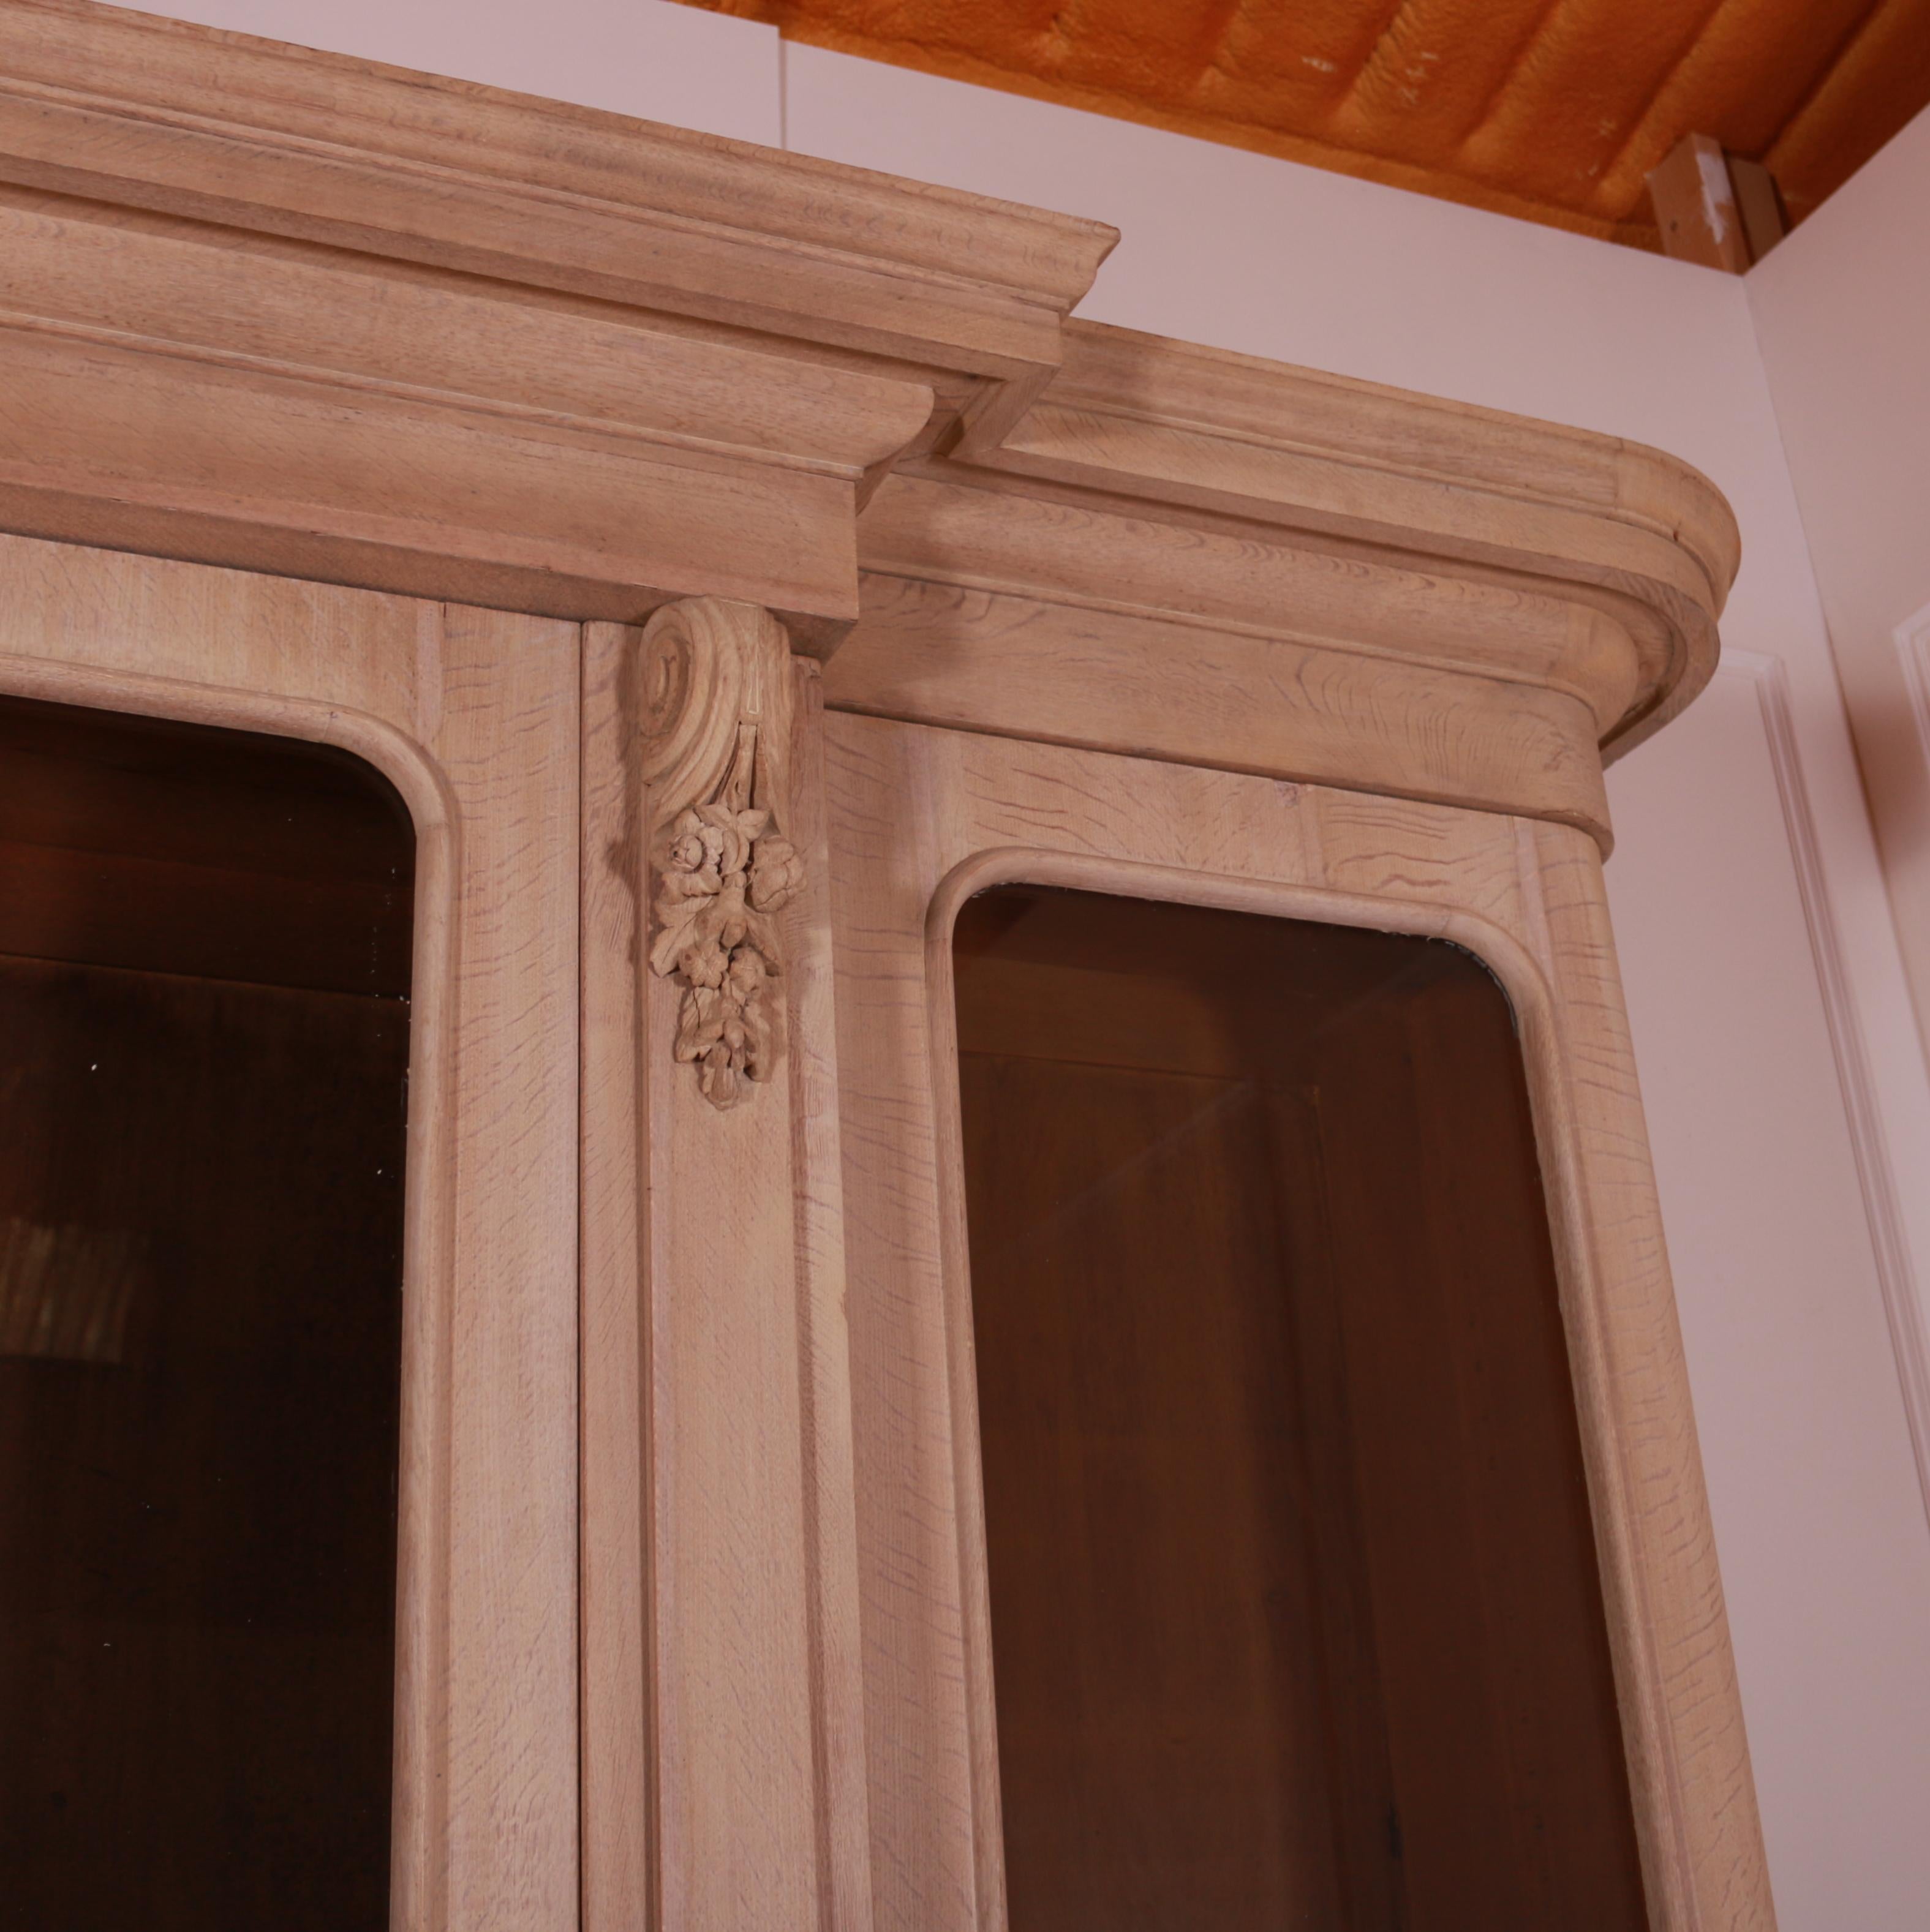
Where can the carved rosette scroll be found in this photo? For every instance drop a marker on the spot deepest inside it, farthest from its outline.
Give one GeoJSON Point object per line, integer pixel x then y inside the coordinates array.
{"type": "Point", "coordinates": [717, 710]}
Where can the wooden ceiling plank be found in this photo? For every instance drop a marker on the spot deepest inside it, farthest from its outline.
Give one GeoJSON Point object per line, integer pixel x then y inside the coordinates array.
{"type": "Point", "coordinates": [1877, 85]}
{"type": "Point", "coordinates": [1283, 144]}
{"type": "Point", "coordinates": [1163, 49]}
{"type": "Point", "coordinates": [1584, 88]}
{"type": "Point", "coordinates": [1375, 26]}
{"type": "Point", "coordinates": [1289, 63]}
{"type": "Point", "coordinates": [1434, 80]}
{"type": "Point", "coordinates": [1742, 81]}
{"type": "Point", "coordinates": [1551, 110]}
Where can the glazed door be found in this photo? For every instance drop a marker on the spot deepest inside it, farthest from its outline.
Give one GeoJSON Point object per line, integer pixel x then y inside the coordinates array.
{"type": "Point", "coordinates": [1248, 1445]}
{"type": "Point", "coordinates": [288, 1278]}
{"type": "Point", "coordinates": [1295, 1610]}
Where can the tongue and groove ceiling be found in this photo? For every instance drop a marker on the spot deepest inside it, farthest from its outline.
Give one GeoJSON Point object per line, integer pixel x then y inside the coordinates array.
{"type": "Point", "coordinates": [1552, 109]}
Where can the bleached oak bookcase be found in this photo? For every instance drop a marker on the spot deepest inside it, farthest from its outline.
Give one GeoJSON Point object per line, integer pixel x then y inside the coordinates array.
{"type": "Point", "coordinates": [756, 585]}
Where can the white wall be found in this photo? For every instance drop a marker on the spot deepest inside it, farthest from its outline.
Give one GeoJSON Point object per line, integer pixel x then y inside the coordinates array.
{"type": "Point", "coordinates": [646, 58]}
{"type": "Point", "coordinates": [1818, 1513]}
{"type": "Point", "coordinates": [1785, 1091]}
{"type": "Point", "coordinates": [1842, 310]}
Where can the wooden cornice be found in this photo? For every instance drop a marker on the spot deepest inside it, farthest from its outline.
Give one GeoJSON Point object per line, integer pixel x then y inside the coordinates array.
{"type": "Point", "coordinates": [298, 312]}
{"type": "Point", "coordinates": [1532, 510]}
{"type": "Point", "coordinates": [1200, 555]}
{"type": "Point", "coordinates": [131, 108]}
{"type": "Point", "coordinates": [290, 311]}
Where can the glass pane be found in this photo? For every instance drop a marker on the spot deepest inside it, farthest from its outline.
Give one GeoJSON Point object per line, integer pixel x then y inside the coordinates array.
{"type": "Point", "coordinates": [204, 1023]}
{"type": "Point", "coordinates": [1295, 1614]}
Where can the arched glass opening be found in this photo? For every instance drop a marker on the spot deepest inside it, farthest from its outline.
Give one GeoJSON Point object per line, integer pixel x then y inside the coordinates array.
{"type": "Point", "coordinates": [1295, 1613]}
{"type": "Point", "coordinates": [205, 941]}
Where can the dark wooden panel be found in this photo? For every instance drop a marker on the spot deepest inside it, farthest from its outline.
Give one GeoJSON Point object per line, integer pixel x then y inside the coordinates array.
{"type": "Point", "coordinates": [1143, 1479]}
{"type": "Point", "coordinates": [140, 842]}
{"type": "Point", "coordinates": [1473, 1507]}
{"type": "Point", "coordinates": [1295, 1614]}
{"type": "Point", "coordinates": [200, 1297]}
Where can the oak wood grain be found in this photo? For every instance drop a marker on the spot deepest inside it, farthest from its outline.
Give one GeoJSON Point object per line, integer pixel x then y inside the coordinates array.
{"type": "Point", "coordinates": [1105, 552]}
{"type": "Point", "coordinates": [119, 105]}
{"type": "Point", "coordinates": [921, 817]}
{"type": "Point", "coordinates": [933, 654]}
{"type": "Point", "coordinates": [168, 387]}
{"type": "Point", "coordinates": [724, 1777]}
{"type": "Point", "coordinates": [620, 1837]}
{"type": "Point", "coordinates": [1185, 425]}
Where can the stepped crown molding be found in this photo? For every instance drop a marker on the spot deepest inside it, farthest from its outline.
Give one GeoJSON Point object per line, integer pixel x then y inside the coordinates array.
{"type": "Point", "coordinates": [1552, 529]}
{"type": "Point", "coordinates": [131, 108]}
{"type": "Point", "coordinates": [292, 311]}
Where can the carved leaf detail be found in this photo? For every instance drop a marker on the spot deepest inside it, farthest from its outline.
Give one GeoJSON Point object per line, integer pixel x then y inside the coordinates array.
{"type": "Point", "coordinates": [722, 870]}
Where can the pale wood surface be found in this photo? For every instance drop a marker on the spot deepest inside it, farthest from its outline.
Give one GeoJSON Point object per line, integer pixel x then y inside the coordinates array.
{"type": "Point", "coordinates": [296, 311]}
{"type": "Point", "coordinates": [724, 1782]}
{"type": "Point", "coordinates": [472, 714]}
{"type": "Point", "coordinates": [1019, 668]}
{"type": "Point", "coordinates": [1309, 431]}
{"type": "Point", "coordinates": [921, 817]}
{"type": "Point", "coordinates": [1271, 454]}
{"type": "Point", "coordinates": [243, 399]}
{"type": "Point", "coordinates": [619, 1819]}
{"type": "Point", "coordinates": [119, 105]}
{"type": "Point", "coordinates": [1682, 1689]}
{"type": "Point", "coordinates": [1696, 208]}
{"type": "Point", "coordinates": [844, 1803]}
{"type": "Point", "coordinates": [1058, 545]}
